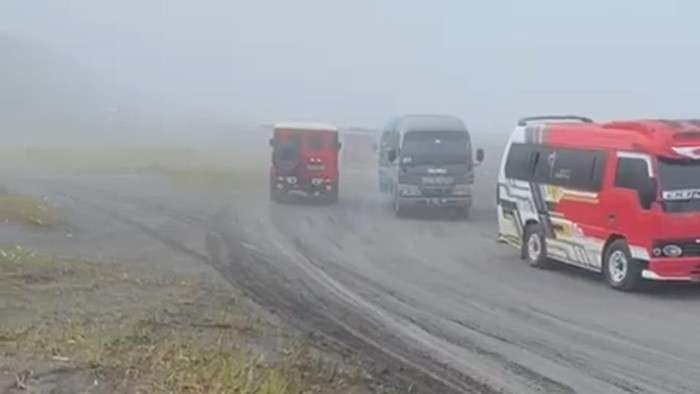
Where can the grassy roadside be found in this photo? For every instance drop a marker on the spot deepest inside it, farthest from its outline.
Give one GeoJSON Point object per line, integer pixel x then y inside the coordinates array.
{"type": "Point", "coordinates": [211, 170]}
{"type": "Point", "coordinates": [75, 326]}
{"type": "Point", "coordinates": [26, 210]}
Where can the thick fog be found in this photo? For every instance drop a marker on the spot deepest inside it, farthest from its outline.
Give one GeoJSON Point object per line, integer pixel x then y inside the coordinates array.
{"type": "Point", "coordinates": [177, 71]}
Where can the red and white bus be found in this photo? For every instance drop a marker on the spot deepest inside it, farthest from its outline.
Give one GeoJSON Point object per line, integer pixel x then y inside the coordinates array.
{"type": "Point", "coordinates": [621, 198]}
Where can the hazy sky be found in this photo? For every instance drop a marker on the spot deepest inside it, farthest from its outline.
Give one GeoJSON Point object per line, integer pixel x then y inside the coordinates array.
{"type": "Point", "coordinates": [361, 61]}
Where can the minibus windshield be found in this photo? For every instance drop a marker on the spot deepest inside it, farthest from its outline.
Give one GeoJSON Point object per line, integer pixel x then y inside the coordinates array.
{"type": "Point", "coordinates": [435, 148]}
{"type": "Point", "coordinates": [680, 184]}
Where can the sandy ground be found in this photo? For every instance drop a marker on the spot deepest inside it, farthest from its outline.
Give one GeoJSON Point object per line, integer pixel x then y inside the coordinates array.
{"type": "Point", "coordinates": [432, 303]}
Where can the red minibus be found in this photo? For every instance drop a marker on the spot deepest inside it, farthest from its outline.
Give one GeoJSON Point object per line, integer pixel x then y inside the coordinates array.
{"type": "Point", "coordinates": [304, 161]}
{"type": "Point", "coordinates": [621, 198]}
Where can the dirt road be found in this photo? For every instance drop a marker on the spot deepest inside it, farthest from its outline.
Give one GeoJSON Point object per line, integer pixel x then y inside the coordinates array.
{"type": "Point", "coordinates": [435, 303]}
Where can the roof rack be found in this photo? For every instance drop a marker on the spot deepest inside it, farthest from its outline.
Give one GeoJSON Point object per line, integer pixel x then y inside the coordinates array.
{"type": "Point", "coordinates": [525, 121]}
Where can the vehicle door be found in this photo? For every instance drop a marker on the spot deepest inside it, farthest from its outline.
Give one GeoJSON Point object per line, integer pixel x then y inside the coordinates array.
{"type": "Point", "coordinates": [572, 197]}
{"type": "Point", "coordinates": [628, 210]}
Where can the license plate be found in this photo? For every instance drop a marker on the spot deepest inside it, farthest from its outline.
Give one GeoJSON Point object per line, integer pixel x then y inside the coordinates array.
{"type": "Point", "coordinates": [436, 201]}
{"type": "Point", "coordinates": [437, 180]}
{"type": "Point", "coordinates": [316, 167]}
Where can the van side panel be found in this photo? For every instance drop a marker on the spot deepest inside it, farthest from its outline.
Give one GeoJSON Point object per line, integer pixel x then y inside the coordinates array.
{"type": "Point", "coordinates": [571, 215]}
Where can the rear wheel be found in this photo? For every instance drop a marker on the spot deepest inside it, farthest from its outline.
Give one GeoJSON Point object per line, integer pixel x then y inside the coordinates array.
{"type": "Point", "coordinates": [332, 197]}
{"type": "Point", "coordinates": [535, 247]}
{"type": "Point", "coordinates": [621, 270]}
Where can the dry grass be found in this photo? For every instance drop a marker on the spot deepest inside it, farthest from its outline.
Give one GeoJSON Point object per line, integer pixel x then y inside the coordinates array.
{"type": "Point", "coordinates": [183, 337]}
{"type": "Point", "coordinates": [26, 210]}
{"type": "Point", "coordinates": [150, 361]}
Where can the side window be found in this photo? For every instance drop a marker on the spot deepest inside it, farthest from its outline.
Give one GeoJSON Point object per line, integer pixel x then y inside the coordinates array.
{"type": "Point", "coordinates": [519, 162]}
{"type": "Point", "coordinates": [572, 168]}
{"type": "Point", "coordinates": [577, 169]}
{"type": "Point", "coordinates": [542, 162]}
{"type": "Point", "coordinates": [631, 172]}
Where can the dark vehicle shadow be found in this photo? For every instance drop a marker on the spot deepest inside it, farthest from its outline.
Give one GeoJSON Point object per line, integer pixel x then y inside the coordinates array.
{"type": "Point", "coordinates": [669, 290]}
{"type": "Point", "coordinates": [672, 290]}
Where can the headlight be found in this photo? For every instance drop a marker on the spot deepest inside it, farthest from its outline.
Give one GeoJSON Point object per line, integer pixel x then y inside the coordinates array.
{"type": "Point", "coordinates": [672, 250]}
{"type": "Point", "coordinates": [461, 190]}
{"type": "Point", "coordinates": [409, 190]}
{"type": "Point", "coordinates": [316, 181]}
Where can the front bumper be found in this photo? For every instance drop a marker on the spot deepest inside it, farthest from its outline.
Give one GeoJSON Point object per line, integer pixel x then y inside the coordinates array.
{"type": "Point", "coordinates": [305, 186]}
{"type": "Point", "coordinates": [673, 269]}
{"type": "Point", "coordinates": [446, 201]}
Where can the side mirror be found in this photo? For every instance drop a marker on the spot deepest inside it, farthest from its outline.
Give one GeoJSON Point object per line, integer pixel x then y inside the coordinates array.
{"type": "Point", "coordinates": [648, 192]}
{"type": "Point", "coordinates": [480, 156]}
{"type": "Point", "coordinates": [391, 155]}
{"type": "Point", "coordinates": [271, 142]}
{"type": "Point", "coordinates": [338, 145]}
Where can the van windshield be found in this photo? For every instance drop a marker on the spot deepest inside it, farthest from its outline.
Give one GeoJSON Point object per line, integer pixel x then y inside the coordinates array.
{"type": "Point", "coordinates": [680, 184]}
{"type": "Point", "coordinates": [435, 147]}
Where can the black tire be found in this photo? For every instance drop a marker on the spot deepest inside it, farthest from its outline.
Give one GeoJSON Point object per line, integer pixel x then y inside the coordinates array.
{"type": "Point", "coordinates": [333, 196]}
{"type": "Point", "coordinates": [535, 247]}
{"type": "Point", "coordinates": [620, 269]}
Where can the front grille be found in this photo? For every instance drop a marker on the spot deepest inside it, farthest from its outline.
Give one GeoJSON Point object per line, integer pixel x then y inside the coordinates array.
{"type": "Point", "coordinates": [691, 249]}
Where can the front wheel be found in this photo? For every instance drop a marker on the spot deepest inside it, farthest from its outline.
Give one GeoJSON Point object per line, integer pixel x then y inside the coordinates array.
{"type": "Point", "coordinates": [621, 270]}
{"type": "Point", "coordinates": [535, 247]}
